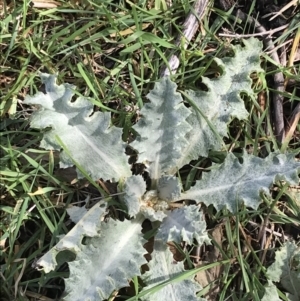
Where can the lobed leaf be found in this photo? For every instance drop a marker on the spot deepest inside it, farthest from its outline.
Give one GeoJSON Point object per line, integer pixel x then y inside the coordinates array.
{"type": "Point", "coordinates": [89, 225]}
{"type": "Point", "coordinates": [234, 182]}
{"type": "Point", "coordinates": [184, 224]}
{"type": "Point", "coordinates": [89, 139]}
{"type": "Point", "coordinates": [162, 268]}
{"type": "Point", "coordinates": [286, 270]}
{"type": "Point", "coordinates": [162, 129]}
{"type": "Point", "coordinates": [270, 293]}
{"type": "Point", "coordinates": [214, 109]}
{"type": "Point", "coordinates": [134, 188]}
{"type": "Point", "coordinates": [107, 262]}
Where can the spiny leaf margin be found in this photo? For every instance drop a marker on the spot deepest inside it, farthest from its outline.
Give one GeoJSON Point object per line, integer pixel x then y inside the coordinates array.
{"type": "Point", "coordinates": [212, 110]}
{"type": "Point", "coordinates": [88, 226]}
{"type": "Point", "coordinates": [106, 263]}
{"type": "Point", "coordinates": [161, 268]}
{"type": "Point", "coordinates": [184, 224]}
{"type": "Point", "coordinates": [90, 139]}
{"type": "Point", "coordinates": [286, 269]}
{"type": "Point", "coordinates": [132, 191]}
{"type": "Point", "coordinates": [162, 129]}
{"type": "Point", "coordinates": [234, 182]}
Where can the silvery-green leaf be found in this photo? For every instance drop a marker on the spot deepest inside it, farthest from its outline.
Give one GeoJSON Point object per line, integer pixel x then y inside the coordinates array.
{"type": "Point", "coordinates": [77, 213]}
{"type": "Point", "coordinates": [90, 139]}
{"type": "Point", "coordinates": [162, 129]}
{"type": "Point", "coordinates": [162, 267]}
{"type": "Point", "coordinates": [169, 188]}
{"type": "Point", "coordinates": [89, 226]}
{"type": "Point", "coordinates": [234, 182]}
{"type": "Point", "coordinates": [108, 262]}
{"type": "Point", "coordinates": [133, 188]}
{"type": "Point", "coordinates": [214, 109]}
{"type": "Point", "coordinates": [286, 269]}
{"type": "Point", "coordinates": [184, 224]}
{"type": "Point", "coordinates": [270, 293]}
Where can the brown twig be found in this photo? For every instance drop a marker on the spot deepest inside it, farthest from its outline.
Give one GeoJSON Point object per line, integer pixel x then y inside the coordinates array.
{"type": "Point", "coordinates": [190, 27]}
{"type": "Point", "coordinates": [280, 12]}
{"type": "Point", "coordinates": [292, 123]}
{"type": "Point", "coordinates": [258, 34]}
{"type": "Point", "coordinates": [266, 245]}
{"type": "Point", "coordinates": [269, 230]}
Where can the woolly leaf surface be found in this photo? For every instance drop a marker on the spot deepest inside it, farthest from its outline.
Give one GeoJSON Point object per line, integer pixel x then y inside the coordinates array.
{"type": "Point", "coordinates": [270, 293]}
{"type": "Point", "coordinates": [184, 224]}
{"type": "Point", "coordinates": [162, 267]}
{"type": "Point", "coordinates": [108, 262]}
{"type": "Point", "coordinates": [169, 188]}
{"type": "Point", "coordinates": [76, 213]}
{"type": "Point", "coordinates": [162, 129]}
{"type": "Point", "coordinates": [89, 226]}
{"type": "Point", "coordinates": [91, 141]}
{"type": "Point", "coordinates": [286, 270]}
{"type": "Point", "coordinates": [133, 188]}
{"type": "Point", "coordinates": [215, 108]}
{"type": "Point", "coordinates": [233, 182]}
